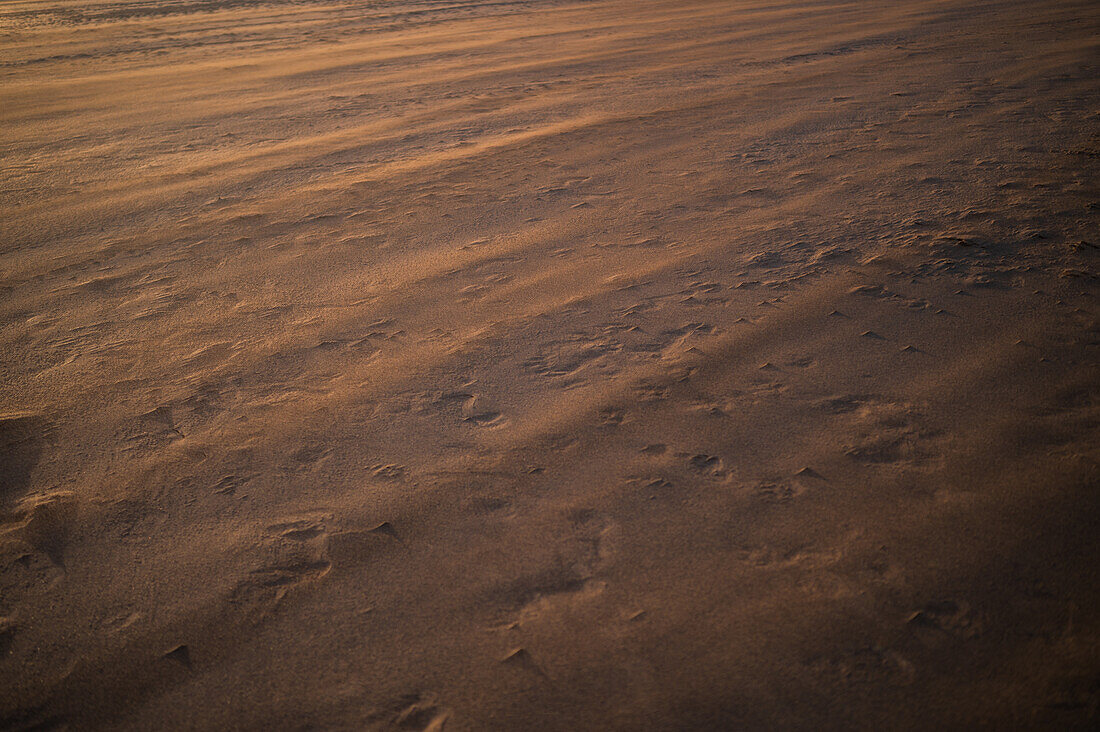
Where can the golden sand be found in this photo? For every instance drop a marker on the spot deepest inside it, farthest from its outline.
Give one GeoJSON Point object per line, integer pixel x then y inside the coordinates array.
{"type": "Point", "coordinates": [549, 365]}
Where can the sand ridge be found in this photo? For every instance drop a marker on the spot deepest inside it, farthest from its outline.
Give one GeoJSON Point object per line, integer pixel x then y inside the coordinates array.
{"type": "Point", "coordinates": [548, 364]}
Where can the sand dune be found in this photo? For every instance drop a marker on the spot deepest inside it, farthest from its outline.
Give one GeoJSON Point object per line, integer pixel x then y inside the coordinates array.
{"type": "Point", "coordinates": [550, 364]}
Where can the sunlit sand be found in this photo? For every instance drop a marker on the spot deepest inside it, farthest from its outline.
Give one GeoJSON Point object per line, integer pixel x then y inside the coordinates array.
{"type": "Point", "coordinates": [549, 365]}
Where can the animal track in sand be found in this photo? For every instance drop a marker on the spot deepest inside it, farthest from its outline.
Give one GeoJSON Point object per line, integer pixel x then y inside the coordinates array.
{"type": "Point", "coordinates": [568, 357]}
{"type": "Point", "coordinates": [42, 522]}
{"type": "Point", "coordinates": [843, 404]}
{"type": "Point", "coordinates": [309, 454]}
{"type": "Point", "coordinates": [738, 180]}
{"type": "Point", "coordinates": [570, 577]}
{"type": "Point", "coordinates": [889, 433]}
{"type": "Point", "coordinates": [292, 553]}
{"type": "Point", "coordinates": [227, 485]}
{"type": "Point", "coordinates": [471, 293]}
{"type": "Point", "coordinates": [709, 466]}
{"type": "Point", "coordinates": [774, 557]}
{"type": "Point", "coordinates": [868, 665]}
{"type": "Point", "coordinates": [484, 419]}
{"type": "Point", "coordinates": [611, 416]}
{"type": "Point", "coordinates": [663, 482]}
{"type": "Point", "coordinates": [881, 431]}
{"type": "Point", "coordinates": [881, 292]}
{"type": "Point", "coordinates": [350, 549]}
{"type": "Point", "coordinates": [415, 711]}
{"type": "Point", "coordinates": [7, 634]}
{"type": "Point", "coordinates": [521, 658]}
{"type": "Point", "coordinates": [776, 491]}
{"type": "Point", "coordinates": [132, 520]}
{"type": "Point", "coordinates": [153, 428]}
{"type": "Point", "coordinates": [525, 594]}
{"type": "Point", "coordinates": [388, 471]}
{"type": "Point", "coordinates": [650, 390]}
{"type": "Point", "coordinates": [23, 570]}
{"type": "Point", "coordinates": [488, 505]}
{"type": "Point", "coordinates": [953, 617]}
{"type": "Point", "coordinates": [767, 260]}
{"type": "Point", "coordinates": [691, 329]}
{"type": "Point", "coordinates": [22, 437]}
{"type": "Point", "coordinates": [180, 654]}
{"type": "Point", "coordinates": [121, 622]}
{"type": "Point", "coordinates": [470, 408]}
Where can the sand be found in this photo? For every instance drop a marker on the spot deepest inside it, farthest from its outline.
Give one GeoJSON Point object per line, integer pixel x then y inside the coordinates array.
{"type": "Point", "coordinates": [549, 365]}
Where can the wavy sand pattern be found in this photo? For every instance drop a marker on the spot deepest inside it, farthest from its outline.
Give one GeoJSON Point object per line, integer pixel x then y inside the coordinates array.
{"type": "Point", "coordinates": [550, 364]}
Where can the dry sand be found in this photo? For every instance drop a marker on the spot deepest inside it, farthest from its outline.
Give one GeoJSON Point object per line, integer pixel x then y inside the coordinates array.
{"type": "Point", "coordinates": [549, 365]}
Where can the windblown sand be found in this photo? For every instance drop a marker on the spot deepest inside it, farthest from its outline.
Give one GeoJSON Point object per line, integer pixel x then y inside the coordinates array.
{"type": "Point", "coordinates": [549, 365]}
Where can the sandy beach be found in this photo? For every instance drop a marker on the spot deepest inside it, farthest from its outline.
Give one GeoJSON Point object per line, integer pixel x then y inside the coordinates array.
{"type": "Point", "coordinates": [549, 365]}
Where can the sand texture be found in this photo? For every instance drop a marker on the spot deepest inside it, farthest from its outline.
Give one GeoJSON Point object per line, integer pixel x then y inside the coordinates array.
{"type": "Point", "coordinates": [549, 364]}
